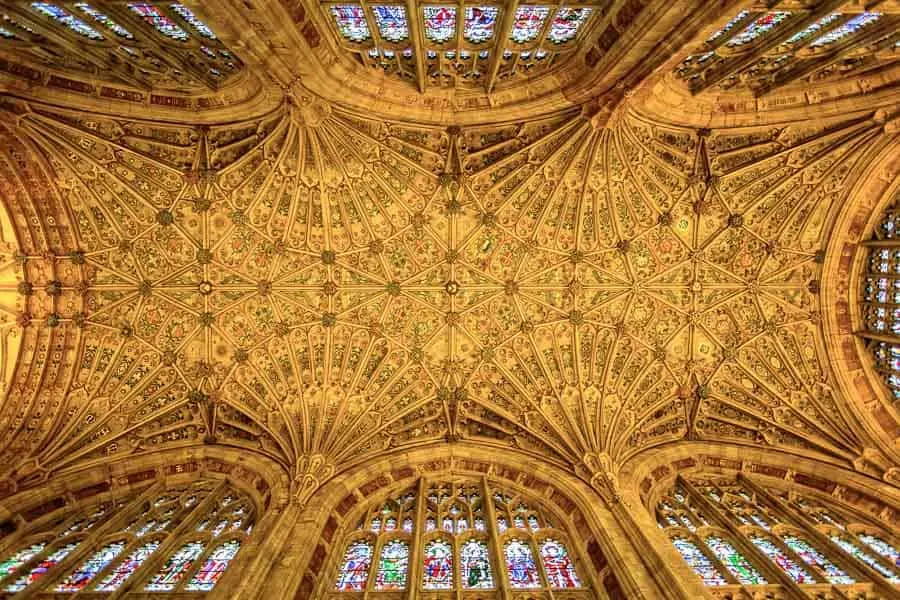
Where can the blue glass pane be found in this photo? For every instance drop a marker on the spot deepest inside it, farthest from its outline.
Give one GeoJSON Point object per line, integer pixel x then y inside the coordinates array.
{"type": "Point", "coordinates": [392, 24]}
{"type": "Point", "coordinates": [61, 16]}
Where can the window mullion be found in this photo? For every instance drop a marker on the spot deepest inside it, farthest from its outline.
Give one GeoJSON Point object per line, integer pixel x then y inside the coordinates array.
{"type": "Point", "coordinates": [88, 544]}
{"type": "Point", "coordinates": [415, 551]}
{"type": "Point", "coordinates": [171, 544]}
{"type": "Point", "coordinates": [858, 569]}
{"type": "Point", "coordinates": [770, 571]}
{"type": "Point", "coordinates": [500, 577]}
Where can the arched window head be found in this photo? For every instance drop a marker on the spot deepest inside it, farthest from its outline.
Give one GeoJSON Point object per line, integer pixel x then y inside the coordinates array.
{"type": "Point", "coordinates": [880, 300]}
{"type": "Point", "coordinates": [456, 536]}
{"type": "Point", "coordinates": [800, 537]}
{"type": "Point", "coordinates": [160, 540]}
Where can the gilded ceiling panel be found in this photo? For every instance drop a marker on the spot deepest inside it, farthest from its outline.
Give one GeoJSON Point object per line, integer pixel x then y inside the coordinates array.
{"type": "Point", "coordinates": [320, 287]}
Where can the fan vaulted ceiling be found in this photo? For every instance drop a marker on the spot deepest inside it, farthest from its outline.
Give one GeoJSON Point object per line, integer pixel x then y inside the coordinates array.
{"type": "Point", "coordinates": [321, 284]}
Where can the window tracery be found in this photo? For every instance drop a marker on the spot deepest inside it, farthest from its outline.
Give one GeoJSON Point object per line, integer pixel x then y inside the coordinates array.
{"type": "Point", "coordinates": [880, 300]}
{"type": "Point", "coordinates": [180, 539]}
{"type": "Point", "coordinates": [448, 541]}
{"type": "Point", "coordinates": [461, 46]}
{"type": "Point", "coordinates": [751, 536]}
{"type": "Point", "coordinates": [759, 50]}
{"type": "Point", "coordinates": [143, 44]}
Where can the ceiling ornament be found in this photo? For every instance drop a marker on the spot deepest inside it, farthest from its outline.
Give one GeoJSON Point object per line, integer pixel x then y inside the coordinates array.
{"type": "Point", "coordinates": [321, 287]}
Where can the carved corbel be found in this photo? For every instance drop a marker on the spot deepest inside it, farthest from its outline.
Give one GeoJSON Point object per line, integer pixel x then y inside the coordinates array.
{"type": "Point", "coordinates": [602, 476]}
{"type": "Point", "coordinates": [310, 473]}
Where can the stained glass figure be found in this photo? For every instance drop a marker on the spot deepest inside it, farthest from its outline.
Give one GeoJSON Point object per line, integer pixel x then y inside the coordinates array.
{"type": "Point", "coordinates": [188, 15]}
{"type": "Point", "coordinates": [220, 527]}
{"type": "Point", "coordinates": [728, 27]}
{"type": "Point", "coordinates": [795, 571]}
{"type": "Point", "coordinates": [41, 568]}
{"type": "Point", "coordinates": [64, 18]}
{"type": "Point", "coordinates": [213, 567]}
{"type": "Point", "coordinates": [812, 557]}
{"type": "Point", "coordinates": [759, 27]}
{"type": "Point", "coordinates": [351, 22]}
{"type": "Point", "coordinates": [128, 566]}
{"type": "Point", "coordinates": [480, 23]}
{"type": "Point", "coordinates": [12, 564]}
{"type": "Point", "coordinates": [870, 560]}
{"type": "Point", "coordinates": [392, 566]}
{"type": "Point", "coordinates": [430, 524]}
{"type": "Point", "coordinates": [847, 29]}
{"type": "Point", "coordinates": [475, 565]}
{"type": "Point", "coordinates": [502, 525]}
{"type": "Point", "coordinates": [440, 23]}
{"type": "Point", "coordinates": [876, 543]}
{"type": "Point", "coordinates": [518, 520]}
{"type": "Point", "coordinates": [159, 21]}
{"type": "Point", "coordinates": [520, 564]}
{"type": "Point", "coordinates": [408, 525]}
{"type": "Point", "coordinates": [175, 568]}
{"type": "Point", "coordinates": [89, 569]}
{"type": "Point", "coordinates": [528, 23]}
{"type": "Point", "coordinates": [104, 20]}
{"type": "Point", "coordinates": [479, 524]}
{"type": "Point", "coordinates": [355, 568]}
{"type": "Point", "coordinates": [391, 22]}
{"type": "Point", "coordinates": [566, 24]}
{"type": "Point", "coordinates": [699, 562]}
{"type": "Point", "coordinates": [438, 567]}
{"type": "Point", "coordinates": [734, 561]}
{"type": "Point", "coordinates": [558, 566]}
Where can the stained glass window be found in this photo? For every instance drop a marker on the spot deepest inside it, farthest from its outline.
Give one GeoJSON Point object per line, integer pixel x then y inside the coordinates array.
{"type": "Point", "coordinates": [175, 569]}
{"type": "Point", "coordinates": [438, 567]}
{"type": "Point", "coordinates": [159, 21]}
{"type": "Point", "coordinates": [440, 23]}
{"type": "Point", "coordinates": [124, 569]}
{"type": "Point", "coordinates": [847, 29]}
{"type": "Point", "coordinates": [199, 26]}
{"type": "Point", "coordinates": [558, 566]}
{"type": "Point", "coordinates": [392, 23]}
{"type": "Point", "coordinates": [566, 24]}
{"type": "Point", "coordinates": [351, 22]}
{"type": "Point", "coordinates": [876, 543]}
{"type": "Point", "coordinates": [355, 567]}
{"type": "Point", "coordinates": [728, 27]}
{"type": "Point", "coordinates": [72, 22]}
{"type": "Point", "coordinates": [392, 566]}
{"type": "Point", "coordinates": [480, 23]}
{"type": "Point", "coordinates": [859, 554]}
{"type": "Point", "coordinates": [475, 565]}
{"type": "Point", "coordinates": [528, 23]}
{"type": "Point", "coordinates": [520, 564]}
{"type": "Point", "coordinates": [213, 567]}
{"type": "Point", "coordinates": [814, 28]}
{"type": "Point", "coordinates": [795, 571]}
{"type": "Point", "coordinates": [12, 564]}
{"type": "Point", "coordinates": [89, 569]}
{"type": "Point", "coordinates": [813, 557]}
{"type": "Point", "coordinates": [699, 562]}
{"type": "Point", "coordinates": [734, 561]}
{"type": "Point", "coordinates": [760, 26]}
{"type": "Point", "coordinates": [41, 568]}
{"type": "Point", "coordinates": [104, 20]}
